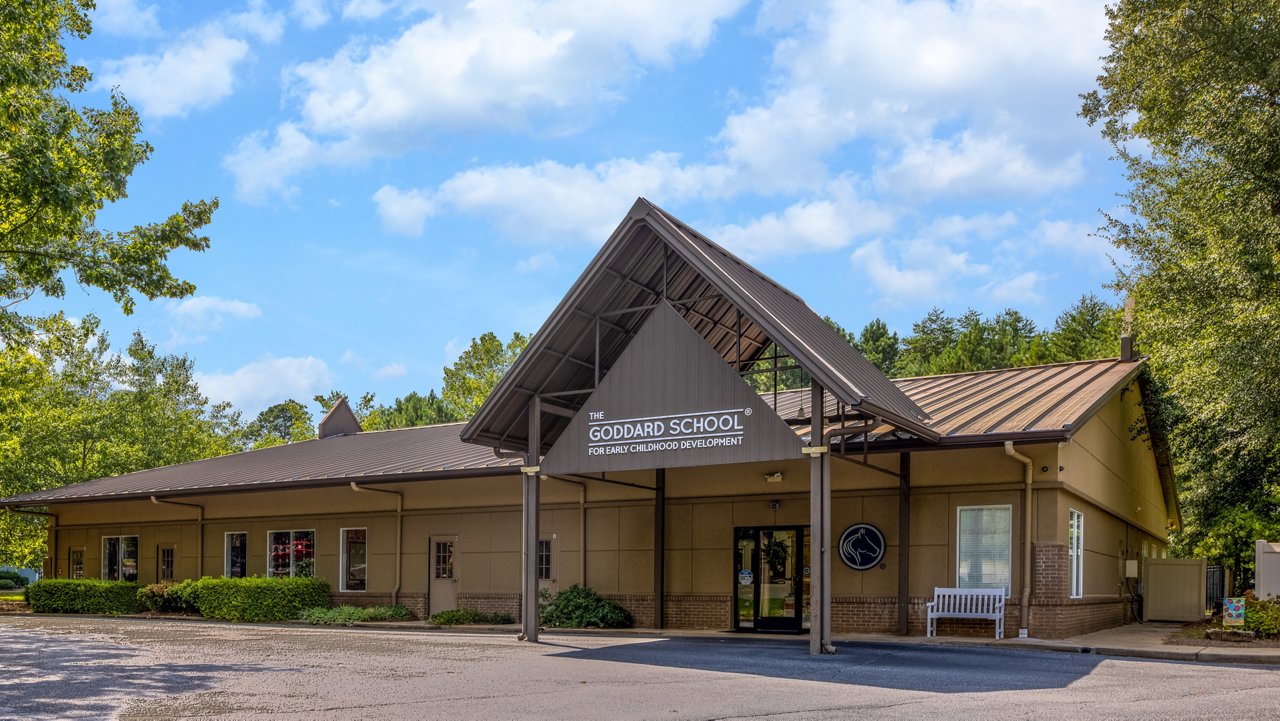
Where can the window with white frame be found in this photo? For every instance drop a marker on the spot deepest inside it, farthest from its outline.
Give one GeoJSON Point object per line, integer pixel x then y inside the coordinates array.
{"type": "Point", "coordinates": [984, 546]}
{"type": "Point", "coordinates": [291, 553]}
{"type": "Point", "coordinates": [1075, 551]}
{"type": "Point", "coordinates": [235, 554]}
{"type": "Point", "coordinates": [544, 559]}
{"type": "Point", "coordinates": [354, 557]}
{"type": "Point", "coordinates": [120, 558]}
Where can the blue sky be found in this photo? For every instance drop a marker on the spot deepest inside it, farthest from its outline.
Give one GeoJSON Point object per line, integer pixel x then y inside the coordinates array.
{"type": "Point", "coordinates": [398, 176]}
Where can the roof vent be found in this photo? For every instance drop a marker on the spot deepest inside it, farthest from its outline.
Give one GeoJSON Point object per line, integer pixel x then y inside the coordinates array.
{"type": "Point", "coordinates": [339, 421]}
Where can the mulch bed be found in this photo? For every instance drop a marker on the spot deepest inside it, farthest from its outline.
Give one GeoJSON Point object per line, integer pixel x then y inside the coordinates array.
{"type": "Point", "coordinates": [1193, 635]}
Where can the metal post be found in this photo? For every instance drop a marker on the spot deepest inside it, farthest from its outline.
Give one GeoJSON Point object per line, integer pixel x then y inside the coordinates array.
{"type": "Point", "coordinates": [904, 544]}
{"type": "Point", "coordinates": [529, 573]}
{"type": "Point", "coordinates": [819, 529]}
{"type": "Point", "coordinates": [659, 545]}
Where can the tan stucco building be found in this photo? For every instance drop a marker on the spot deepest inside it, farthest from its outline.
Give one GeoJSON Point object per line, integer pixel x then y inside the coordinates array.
{"type": "Point", "coordinates": [434, 517]}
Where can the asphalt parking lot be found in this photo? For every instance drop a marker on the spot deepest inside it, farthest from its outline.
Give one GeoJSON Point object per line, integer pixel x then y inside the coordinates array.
{"type": "Point", "coordinates": [58, 668]}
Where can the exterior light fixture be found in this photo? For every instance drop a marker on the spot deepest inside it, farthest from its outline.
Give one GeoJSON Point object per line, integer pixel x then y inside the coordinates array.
{"type": "Point", "coordinates": [773, 478]}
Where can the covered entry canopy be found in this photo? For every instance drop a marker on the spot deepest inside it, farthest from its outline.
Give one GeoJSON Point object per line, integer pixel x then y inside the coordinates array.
{"type": "Point", "coordinates": [653, 258]}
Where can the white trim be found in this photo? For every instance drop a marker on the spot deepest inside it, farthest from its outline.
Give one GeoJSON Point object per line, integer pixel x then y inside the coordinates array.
{"type": "Point", "coordinates": [1075, 553]}
{"type": "Point", "coordinates": [1006, 506]}
{"type": "Point", "coordinates": [291, 531]}
{"type": "Point", "coordinates": [342, 559]}
{"type": "Point", "coordinates": [226, 560]}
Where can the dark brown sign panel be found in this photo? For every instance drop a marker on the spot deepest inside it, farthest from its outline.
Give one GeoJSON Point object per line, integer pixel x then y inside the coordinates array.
{"type": "Point", "coordinates": [670, 401]}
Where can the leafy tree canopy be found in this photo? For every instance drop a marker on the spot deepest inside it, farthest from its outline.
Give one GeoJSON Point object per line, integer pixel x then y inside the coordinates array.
{"type": "Point", "coordinates": [285, 422]}
{"type": "Point", "coordinates": [60, 164]}
{"type": "Point", "coordinates": [470, 379]}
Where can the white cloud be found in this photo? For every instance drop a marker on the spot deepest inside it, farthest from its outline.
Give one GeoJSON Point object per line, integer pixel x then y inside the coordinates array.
{"type": "Point", "coordinates": [1079, 240]}
{"type": "Point", "coordinates": [351, 357]}
{"type": "Point", "coordinates": [196, 72]}
{"type": "Point", "coordinates": [210, 310]}
{"type": "Point", "coordinates": [508, 64]}
{"type": "Point", "coordinates": [264, 166]}
{"type": "Point", "coordinates": [808, 226]}
{"type": "Point", "coordinates": [126, 17]}
{"type": "Point", "coordinates": [256, 19]}
{"type": "Point", "coordinates": [403, 211]}
{"type": "Point", "coordinates": [535, 263]}
{"type": "Point", "coordinates": [454, 348]}
{"type": "Point", "coordinates": [1022, 289]}
{"type": "Point", "coordinates": [256, 385]}
{"type": "Point", "coordinates": [968, 165]}
{"type": "Point", "coordinates": [310, 14]}
{"type": "Point", "coordinates": [391, 370]}
{"type": "Point", "coordinates": [925, 269]}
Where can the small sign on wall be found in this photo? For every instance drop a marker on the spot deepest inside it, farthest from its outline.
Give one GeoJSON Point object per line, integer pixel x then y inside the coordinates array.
{"type": "Point", "coordinates": [1233, 611]}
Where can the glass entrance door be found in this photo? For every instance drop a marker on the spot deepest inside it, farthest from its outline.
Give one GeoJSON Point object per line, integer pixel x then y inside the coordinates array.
{"type": "Point", "coordinates": [770, 579]}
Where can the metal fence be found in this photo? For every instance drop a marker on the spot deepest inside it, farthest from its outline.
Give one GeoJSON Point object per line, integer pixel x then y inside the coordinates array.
{"type": "Point", "coordinates": [1215, 585]}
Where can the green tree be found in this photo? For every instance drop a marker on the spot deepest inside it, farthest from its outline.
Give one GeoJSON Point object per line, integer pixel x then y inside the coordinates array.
{"type": "Point", "coordinates": [71, 411]}
{"type": "Point", "coordinates": [930, 336]}
{"type": "Point", "coordinates": [60, 164]}
{"type": "Point", "coordinates": [413, 410]}
{"type": "Point", "coordinates": [475, 373]}
{"type": "Point", "coordinates": [1089, 329]}
{"type": "Point", "coordinates": [880, 346]}
{"type": "Point", "coordinates": [1189, 98]}
{"type": "Point", "coordinates": [285, 422]}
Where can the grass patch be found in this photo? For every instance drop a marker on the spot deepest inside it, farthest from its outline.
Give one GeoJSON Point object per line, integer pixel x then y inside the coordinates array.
{"type": "Point", "coordinates": [350, 615]}
{"type": "Point", "coordinates": [11, 597]}
{"type": "Point", "coordinates": [469, 617]}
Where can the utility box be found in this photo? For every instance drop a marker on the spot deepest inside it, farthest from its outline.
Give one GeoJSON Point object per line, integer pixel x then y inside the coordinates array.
{"type": "Point", "coordinates": [1266, 569]}
{"type": "Point", "coordinates": [1174, 589]}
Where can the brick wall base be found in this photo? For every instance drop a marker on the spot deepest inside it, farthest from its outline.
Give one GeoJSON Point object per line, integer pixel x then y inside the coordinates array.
{"type": "Point", "coordinates": [1050, 618]}
{"type": "Point", "coordinates": [415, 602]}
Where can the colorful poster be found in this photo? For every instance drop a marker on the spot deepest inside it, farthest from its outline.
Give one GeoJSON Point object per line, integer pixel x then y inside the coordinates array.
{"type": "Point", "coordinates": [1233, 612]}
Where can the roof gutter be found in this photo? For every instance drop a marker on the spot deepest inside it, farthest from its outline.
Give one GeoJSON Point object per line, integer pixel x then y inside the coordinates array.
{"type": "Point", "coordinates": [200, 538]}
{"type": "Point", "coordinates": [395, 591]}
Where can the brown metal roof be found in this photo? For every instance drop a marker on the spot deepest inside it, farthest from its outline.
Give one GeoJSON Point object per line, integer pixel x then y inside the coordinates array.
{"type": "Point", "coordinates": [649, 257]}
{"type": "Point", "coordinates": [1036, 403]}
{"type": "Point", "coordinates": [1020, 403]}
{"type": "Point", "coordinates": [410, 453]}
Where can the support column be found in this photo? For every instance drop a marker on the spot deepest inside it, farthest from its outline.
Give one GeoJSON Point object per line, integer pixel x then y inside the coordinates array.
{"type": "Point", "coordinates": [659, 545]}
{"type": "Point", "coordinates": [904, 544]}
{"type": "Point", "coordinates": [819, 528]}
{"type": "Point", "coordinates": [529, 567]}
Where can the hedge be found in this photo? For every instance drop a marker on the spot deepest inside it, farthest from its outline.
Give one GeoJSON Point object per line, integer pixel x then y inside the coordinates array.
{"type": "Point", "coordinates": [350, 615]}
{"type": "Point", "coordinates": [259, 599]}
{"type": "Point", "coordinates": [470, 616]}
{"type": "Point", "coordinates": [16, 578]}
{"type": "Point", "coordinates": [581, 607]}
{"type": "Point", "coordinates": [62, 595]}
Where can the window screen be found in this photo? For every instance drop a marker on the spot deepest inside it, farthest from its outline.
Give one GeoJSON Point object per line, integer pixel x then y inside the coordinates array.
{"type": "Point", "coordinates": [983, 546]}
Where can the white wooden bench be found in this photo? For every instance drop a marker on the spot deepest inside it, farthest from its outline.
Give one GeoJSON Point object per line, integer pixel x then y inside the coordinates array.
{"type": "Point", "coordinates": [985, 603]}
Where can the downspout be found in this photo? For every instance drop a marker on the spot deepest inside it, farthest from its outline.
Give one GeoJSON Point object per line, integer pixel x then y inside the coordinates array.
{"type": "Point", "coordinates": [53, 554]}
{"type": "Point", "coordinates": [395, 591]}
{"type": "Point", "coordinates": [1024, 617]}
{"type": "Point", "coordinates": [199, 538]}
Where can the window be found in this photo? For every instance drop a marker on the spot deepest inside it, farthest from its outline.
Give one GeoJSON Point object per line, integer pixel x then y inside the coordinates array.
{"type": "Point", "coordinates": [75, 563]}
{"type": "Point", "coordinates": [1075, 551]}
{"type": "Point", "coordinates": [353, 559]}
{"type": "Point", "coordinates": [444, 559]}
{"type": "Point", "coordinates": [544, 559]}
{"type": "Point", "coordinates": [235, 555]}
{"type": "Point", "coordinates": [120, 558]}
{"type": "Point", "coordinates": [164, 562]}
{"type": "Point", "coordinates": [291, 553]}
{"type": "Point", "coordinates": [984, 540]}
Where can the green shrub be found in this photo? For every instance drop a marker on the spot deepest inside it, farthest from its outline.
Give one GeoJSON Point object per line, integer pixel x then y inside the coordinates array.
{"type": "Point", "coordinates": [61, 595]}
{"type": "Point", "coordinates": [7, 585]}
{"type": "Point", "coordinates": [168, 597]}
{"type": "Point", "coordinates": [14, 577]}
{"type": "Point", "coordinates": [259, 599]}
{"type": "Point", "coordinates": [348, 615]}
{"type": "Point", "coordinates": [1262, 617]}
{"type": "Point", "coordinates": [581, 607]}
{"type": "Point", "coordinates": [470, 616]}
